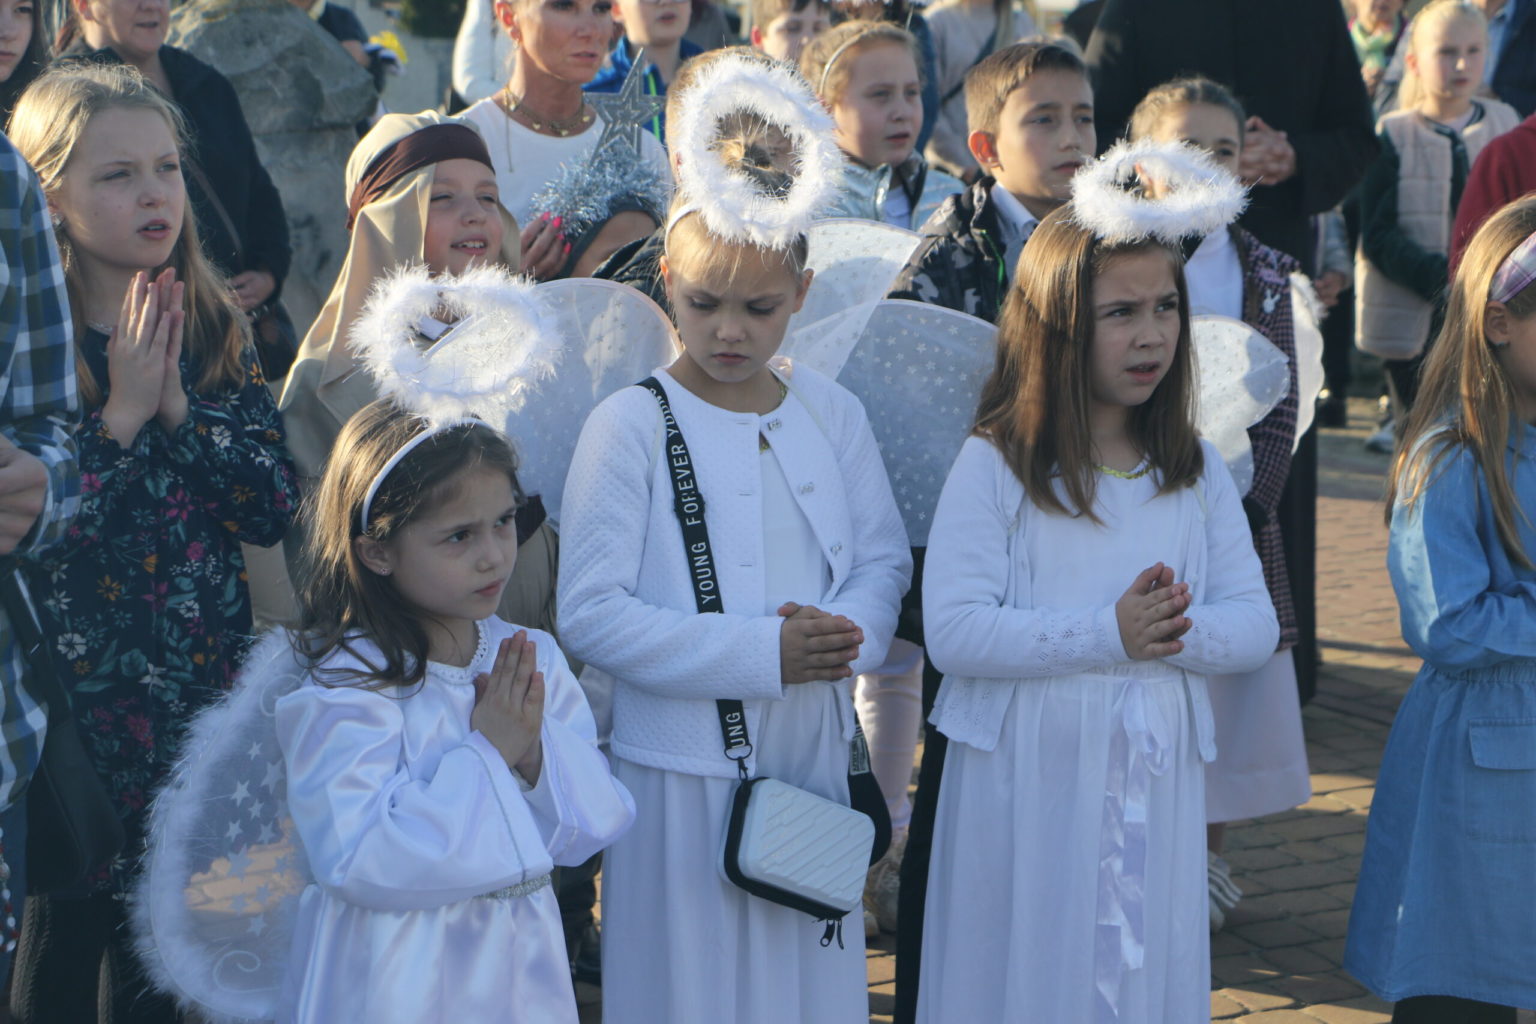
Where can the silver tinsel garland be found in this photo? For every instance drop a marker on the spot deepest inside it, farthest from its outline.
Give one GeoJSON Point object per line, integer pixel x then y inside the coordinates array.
{"type": "Point", "coordinates": [583, 195]}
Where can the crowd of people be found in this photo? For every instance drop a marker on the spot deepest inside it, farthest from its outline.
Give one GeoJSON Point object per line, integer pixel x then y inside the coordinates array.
{"type": "Point", "coordinates": [484, 684]}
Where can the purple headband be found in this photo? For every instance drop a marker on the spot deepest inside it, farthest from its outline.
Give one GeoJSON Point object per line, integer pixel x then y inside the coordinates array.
{"type": "Point", "coordinates": [1515, 272]}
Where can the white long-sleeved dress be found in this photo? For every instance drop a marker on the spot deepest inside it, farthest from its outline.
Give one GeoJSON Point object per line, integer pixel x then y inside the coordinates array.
{"type": "Point", "coordinates": [1068, 872]}
{"type": "Point", "coordinates": [680, 943]}
{"type": "Point", "coordinates": [431, 857]}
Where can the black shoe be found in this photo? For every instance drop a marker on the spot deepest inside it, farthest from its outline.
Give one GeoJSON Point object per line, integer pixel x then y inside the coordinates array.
{"type": "Point", "coordinates": [1332, 411]}
{"type": "Point", "coordinates": [587, 963]}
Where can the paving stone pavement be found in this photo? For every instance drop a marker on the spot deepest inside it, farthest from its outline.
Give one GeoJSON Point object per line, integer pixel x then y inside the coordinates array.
{"type": "Point", "coordinates": [1278, 960]}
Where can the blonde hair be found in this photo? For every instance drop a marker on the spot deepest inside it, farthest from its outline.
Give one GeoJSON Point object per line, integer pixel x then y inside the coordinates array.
{"type": "Point", "coordinates": [50, 120]}
{"type": "Point", "coordinates": [827, 61]}
{"type": "Point", "coordinates": [1034, 407]}
{"type": "Point", "coordinates": [1439, 13]}
{"type": "Point", "coordinates": [1465, 388]}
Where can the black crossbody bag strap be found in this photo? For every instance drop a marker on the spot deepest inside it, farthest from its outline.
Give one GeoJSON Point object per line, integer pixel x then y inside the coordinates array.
{"type": "Point", "coordinates": [688, 505]}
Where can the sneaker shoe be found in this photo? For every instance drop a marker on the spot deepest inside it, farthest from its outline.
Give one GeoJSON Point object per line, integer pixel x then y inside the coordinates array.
{"type": "Point", "coordinates": [1223, 892]}
{"type": "Point", "coordinates": [1384, 440]}
{"type": "Point", "coordinates": [882, 885]}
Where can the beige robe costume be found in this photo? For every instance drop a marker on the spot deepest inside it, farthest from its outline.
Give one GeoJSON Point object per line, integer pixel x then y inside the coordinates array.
{"type": "Point", "coordinates": [327, 386]}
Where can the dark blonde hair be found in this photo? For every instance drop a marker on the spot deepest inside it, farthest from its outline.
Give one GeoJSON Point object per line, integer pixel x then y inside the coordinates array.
{"type": "Point", "coordinates": [1035, 405]}
{"type": "Point", "coordinates": [827, 61]}
{"type": "Point", "coordinates": [341, 600]}
{"type": "Point", "coordinates": [1465, 388]}
{"type": "Point", "coordinates": [989, 83]}
{"type": "Point", "coordinates": [1179, 93]}
{"type": "Point", "coordinates": [50, 119]}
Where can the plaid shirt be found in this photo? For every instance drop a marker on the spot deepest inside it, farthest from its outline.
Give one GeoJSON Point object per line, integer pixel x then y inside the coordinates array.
{"type": "Point", "coordinates": [39, 411]}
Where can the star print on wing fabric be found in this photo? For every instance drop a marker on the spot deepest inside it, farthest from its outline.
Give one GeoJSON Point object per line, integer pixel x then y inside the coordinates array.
{"type": "Point", "coordinates": [625, 111]}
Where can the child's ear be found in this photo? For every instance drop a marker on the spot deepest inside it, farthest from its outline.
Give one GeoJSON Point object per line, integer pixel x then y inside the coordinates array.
{"type": "Point", "coordinates": [1496, 324]}
{"type": "Point", "coordinates": [82, 9]}
{"type": "Point", "coordinates": [373, 555]}
{"type": "Point", "coordinates": [983, 146]}
{"type": "Point", "coordinates": [666, 275]}
{"type": "Point", "coordinates": [803, 289]}
{"type": "Point", "coordinates": [756, 37]}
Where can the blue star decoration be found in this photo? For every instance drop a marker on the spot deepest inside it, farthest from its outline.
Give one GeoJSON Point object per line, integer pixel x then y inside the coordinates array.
{"type": "Point", "coordinates": [625, 111]}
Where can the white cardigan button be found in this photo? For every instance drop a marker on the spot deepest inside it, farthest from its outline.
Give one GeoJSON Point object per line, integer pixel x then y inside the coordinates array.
{"type": "Point", "coordinates": [807, 488]}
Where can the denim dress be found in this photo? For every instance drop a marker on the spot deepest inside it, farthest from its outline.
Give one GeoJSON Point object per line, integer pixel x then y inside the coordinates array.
{"type": "Point", "coordinates": [1446, 903]}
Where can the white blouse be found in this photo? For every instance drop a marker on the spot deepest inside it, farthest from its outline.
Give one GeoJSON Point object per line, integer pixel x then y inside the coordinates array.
{"type": "Point", "coordinates": [525, 161]}
{"type": "Point", "coordinates": [1014, 592]}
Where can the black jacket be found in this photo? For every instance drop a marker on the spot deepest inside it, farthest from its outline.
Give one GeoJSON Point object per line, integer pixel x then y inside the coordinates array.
{"type": "Point", "coordinates": [1514, 76]}
{"type": "Point", "coordinates": [1290, 63]}
{"type": "Point", "coordinates": [959, 263]}
{"type": "Point", "coordinates": [222, 146]}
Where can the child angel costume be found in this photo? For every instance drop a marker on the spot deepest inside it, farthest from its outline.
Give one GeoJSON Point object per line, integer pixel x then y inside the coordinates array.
{"type": "Point", "coordinates": [328, 851]}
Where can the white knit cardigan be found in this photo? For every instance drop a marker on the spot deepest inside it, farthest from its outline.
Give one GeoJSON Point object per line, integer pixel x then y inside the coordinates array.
{"type": "Point", "coordinates": [986, 634]}
{"type": "Point", "coordinates": [626, 604]}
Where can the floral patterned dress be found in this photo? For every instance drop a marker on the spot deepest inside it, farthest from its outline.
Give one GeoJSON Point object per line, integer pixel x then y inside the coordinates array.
{"type": "Point", "coordinates": [146, 597]}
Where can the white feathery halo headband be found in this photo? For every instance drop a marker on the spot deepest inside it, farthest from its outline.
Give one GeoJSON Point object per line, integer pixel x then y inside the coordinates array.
{"type": "Point", "coordinates": [1201, 196]}
{"type": "Point", "coordinates": [731, 207]}
{"type": "Point", "coordinates": [501, 341]}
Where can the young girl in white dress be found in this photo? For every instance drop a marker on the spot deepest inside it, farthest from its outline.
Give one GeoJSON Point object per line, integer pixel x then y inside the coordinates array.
{"type": "Point", "coordinates": [812, 561]}
{"type": "Point", "coordinates": [1097, 565]}
{"type": "Point", "coordinates": [439, 760]}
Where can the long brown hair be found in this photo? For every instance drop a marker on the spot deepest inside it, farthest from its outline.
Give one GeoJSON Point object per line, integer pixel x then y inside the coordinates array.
{"type": "Point", "coordinates": [50, 119]}
{"type": "Point", "coordinates": [1034, 406]}
{"type": "Point", "coordinates": [341, 600]}
{"type": "Point", "coordinates": [1464, 388]}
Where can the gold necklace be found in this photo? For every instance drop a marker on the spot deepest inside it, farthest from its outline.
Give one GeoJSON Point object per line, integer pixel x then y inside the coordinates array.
{"type": "Point", "coordinates": [512, 104]}
{"type": "Point", "coordinates": [1120, 474]}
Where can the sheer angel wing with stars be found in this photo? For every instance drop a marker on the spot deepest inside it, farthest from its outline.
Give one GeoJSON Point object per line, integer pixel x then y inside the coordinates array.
{"type": "Point", "coordinates": [214, 909]}
{"type": "Point", "coordinates": [1242, 376]}
{"type": "Point", "coordinates": [918, 369]}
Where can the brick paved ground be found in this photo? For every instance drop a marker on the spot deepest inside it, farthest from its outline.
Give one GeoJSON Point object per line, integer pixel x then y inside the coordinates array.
{"type": "Point", "coordinates": [1278, 960]}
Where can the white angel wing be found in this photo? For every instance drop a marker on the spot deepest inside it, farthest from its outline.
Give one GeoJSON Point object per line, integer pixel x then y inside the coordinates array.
{"type": "Point", "coordinates": [1242, 377]}
{"type": "Point", "coordinates": [855, 261]}
{"type": "Point", "coordinates": [918, 369]}
{"type": "Point", "coordinates": [1306, 321]}
{"type": "Point", "coordinates": [214, 908]}
{"type": "Point", "coordinates": [611, 336]}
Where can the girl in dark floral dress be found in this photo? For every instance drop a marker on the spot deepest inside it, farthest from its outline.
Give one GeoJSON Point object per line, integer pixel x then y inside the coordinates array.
{"type": "Point", "coordinates": [181, 457]}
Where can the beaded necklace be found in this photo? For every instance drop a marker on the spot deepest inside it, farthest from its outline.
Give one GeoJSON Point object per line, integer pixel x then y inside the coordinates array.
{"type": "Point", "coordinates": [1121, 474]}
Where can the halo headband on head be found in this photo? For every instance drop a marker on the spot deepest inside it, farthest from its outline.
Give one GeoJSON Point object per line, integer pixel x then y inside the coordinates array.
{"type": "Point", "coordinates": [731, 207]}
{"type": "Point", "coordinates": [1516, 272]}
{"type": "Point", "coordinates": [500, 340]}
{"type": "Point", "coordinates": [430, 431]}
{"type": "Point", "coordinates": [1201, 195]}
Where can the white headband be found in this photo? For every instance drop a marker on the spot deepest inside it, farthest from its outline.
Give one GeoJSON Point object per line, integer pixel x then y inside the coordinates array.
{"type": "Point", "coordinates": [431, 430]}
